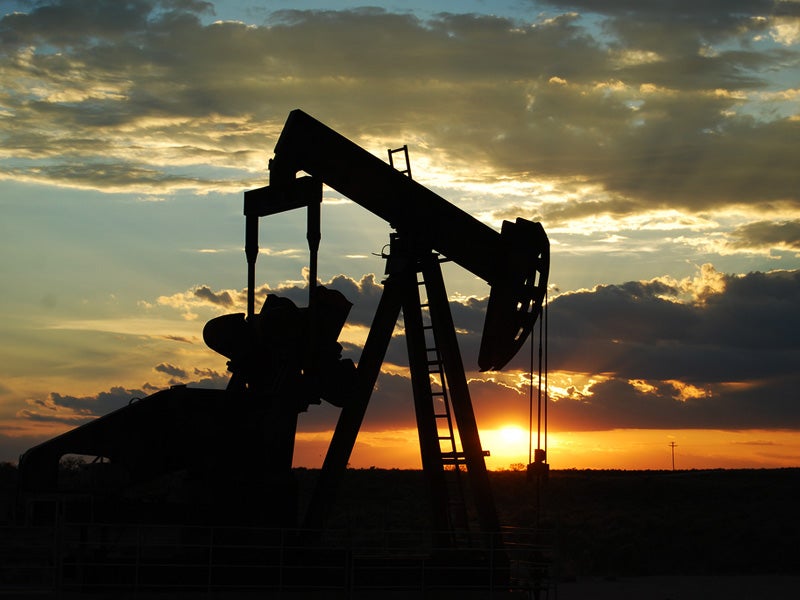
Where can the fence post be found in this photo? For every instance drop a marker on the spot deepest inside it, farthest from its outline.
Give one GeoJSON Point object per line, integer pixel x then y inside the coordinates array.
{"type": "Point", "coordinates": [209, 577]}
{"type": "Point", "coordinates": [58, 554]}
{"type": "Point", "coordinates": [138, 559]}
{"type": "Point", "coordinates": [280, 561]}
{"type": "Point", "coordinates": [491, 565]}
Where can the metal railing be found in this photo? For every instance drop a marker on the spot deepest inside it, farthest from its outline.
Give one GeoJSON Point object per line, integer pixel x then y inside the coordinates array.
{"type": "Point", "coordinates": [139, 560]}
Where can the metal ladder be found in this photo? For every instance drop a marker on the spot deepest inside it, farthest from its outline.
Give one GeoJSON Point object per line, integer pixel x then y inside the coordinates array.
{"type": "Point", "coordinates": [404, 150]}
{"type": "Point", "coordinates": [452, 457]}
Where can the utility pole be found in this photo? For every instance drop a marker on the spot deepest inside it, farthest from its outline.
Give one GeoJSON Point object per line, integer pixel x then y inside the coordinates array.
{"type": "Point", "coordinates": [672, 446]}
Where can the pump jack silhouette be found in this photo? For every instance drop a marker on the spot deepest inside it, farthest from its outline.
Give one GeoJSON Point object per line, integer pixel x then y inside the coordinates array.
{"type": "Point", "coordinates": [284, 359]}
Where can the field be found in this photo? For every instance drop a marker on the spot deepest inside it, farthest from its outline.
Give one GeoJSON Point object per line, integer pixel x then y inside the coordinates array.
{"type": "Point", "coordinates": [608, 525]}
{"type": "Point", "coordinates": [627, 535]}
{"type": "Point", "coordinates": [623, 523]}
{"type": "Point", "coordinates": [689, 523]}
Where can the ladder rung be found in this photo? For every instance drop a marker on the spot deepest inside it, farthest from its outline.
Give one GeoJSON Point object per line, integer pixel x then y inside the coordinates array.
{"type": "Point", "coordinates": [451, 460]}
{"type": "Point", "coordinates": [404, 150]}
{"type": "Point", "coordinates": [458, 457]}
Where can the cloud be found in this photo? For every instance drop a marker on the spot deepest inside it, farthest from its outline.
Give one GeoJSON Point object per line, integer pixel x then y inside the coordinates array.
{"type": "Point", "coordinates": [642, 108]}
{"type": "Point", "coordinates": [179, 338]}
{"type": "Point", "coordinates": [721, 357]}
{"type": "Point", "coordinates": [694, 341]}
{"type": "Point", "coordinates": [76, 410]}
{"type": "Point", "coordinates": [603, 120]}
{"type": "Point", "coordinates": [209, 378]}
{"type": "Point", "coordinates": [619, 404]}
{"type": "Point", "coordinates": [201, 297]}
{"type": "Point", "coordinates": [222, 299]}
{"type": "Point", "coordinates": [364, 293]}
{"type": "Point", "coordinates": [685, 20]}
{"type": "Point", "coordinates": [766, 235]}
{"type": "Point", "coordinates": [714, 350]}
{"type": "Point", "coordinates": [172, 370]}
{"type": "Point", "coordinates": [635, 330]}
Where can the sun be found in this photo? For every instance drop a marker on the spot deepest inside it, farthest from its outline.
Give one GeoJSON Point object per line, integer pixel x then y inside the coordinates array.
{"type": "Point", "coordinates": [507, 445]}
{"type": "Point", "coordinates": [511, 435]}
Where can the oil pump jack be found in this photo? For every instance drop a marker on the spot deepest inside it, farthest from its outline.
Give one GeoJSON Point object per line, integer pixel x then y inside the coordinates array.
{"type": "Point", "coordinates": [284, 358]}
{"type": "Point", "coordinates": [427, 230]}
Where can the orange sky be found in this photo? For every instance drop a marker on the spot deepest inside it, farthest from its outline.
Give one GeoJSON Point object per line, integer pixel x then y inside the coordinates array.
{"type": "Point", "coordinates": [675, 274]}
{"type": "Point", "coordinates": [617, 449]}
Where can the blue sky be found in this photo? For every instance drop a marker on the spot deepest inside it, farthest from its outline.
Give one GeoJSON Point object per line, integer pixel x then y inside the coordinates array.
{"type": "Point", "coordinates": [656, 142]}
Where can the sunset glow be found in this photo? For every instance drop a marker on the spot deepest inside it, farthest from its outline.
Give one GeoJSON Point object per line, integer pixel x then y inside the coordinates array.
{"type": "Point", "coordinates": [617, 449]}
{"type": "Point", "coordinates": [669, 195]}
{"type": "Point", "coordinates": [507, 445]}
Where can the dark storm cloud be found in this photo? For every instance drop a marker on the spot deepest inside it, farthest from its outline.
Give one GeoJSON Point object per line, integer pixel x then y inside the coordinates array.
{"type": "Point", "coordinates": [636, 331]}
{"type": "Point", "coordinates": [618, 404]}
{"type": "Point", "coordinates": [640, 329]}
{"type": "Point", "coordinates": [726, 360]}
{"type": "Point", "coordinates": [649, 106]}
{"type": "Point", "coordinates": [724, 357]}
{"type": "Point", "coordinates": [719, 351]}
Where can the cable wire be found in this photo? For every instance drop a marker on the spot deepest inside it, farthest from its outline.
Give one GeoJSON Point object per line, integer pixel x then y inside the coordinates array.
{"type": "Point", "coordinates": [530, 402]}
{"type": "Point", "coordinates": [546, 319]}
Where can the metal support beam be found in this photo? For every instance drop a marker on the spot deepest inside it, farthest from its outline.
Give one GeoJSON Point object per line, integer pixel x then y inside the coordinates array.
{"type": "Point", "coordinates": [270, 200]}
{"type": "Point", "coordinates": [352, 414]}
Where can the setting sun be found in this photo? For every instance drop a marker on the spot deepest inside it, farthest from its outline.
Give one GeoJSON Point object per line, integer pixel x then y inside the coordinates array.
{"type": "Point", "coordinates": [507, 445]}
{"type": "Point", "coordinates": [512, 435]}
{"type": "Point", "coordinates": [651, 269]}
